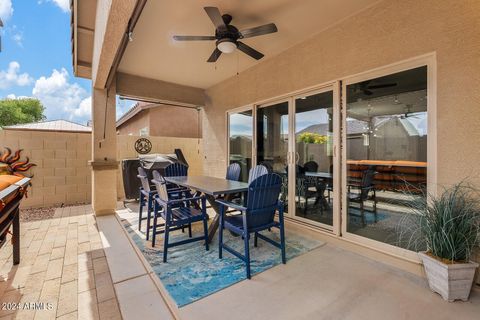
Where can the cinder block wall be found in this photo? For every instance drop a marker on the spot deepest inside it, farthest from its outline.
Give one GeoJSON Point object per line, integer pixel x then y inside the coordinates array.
{"type": "Point", "coordinates": [62, 174]}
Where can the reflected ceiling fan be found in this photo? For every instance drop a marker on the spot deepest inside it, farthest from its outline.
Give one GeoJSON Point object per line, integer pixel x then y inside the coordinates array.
{"type": "Point", "coordinates": [365, 87]}
{"type": "Point", "coordinates": [227, 35]}
{"type": "Point", "coordinates": [410, 114]}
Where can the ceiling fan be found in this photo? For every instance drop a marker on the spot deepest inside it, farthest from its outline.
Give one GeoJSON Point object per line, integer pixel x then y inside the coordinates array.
{"type": "Point", "coordinates": [227, 35]}
{"type": "Point", "coordinates": [365, 87]}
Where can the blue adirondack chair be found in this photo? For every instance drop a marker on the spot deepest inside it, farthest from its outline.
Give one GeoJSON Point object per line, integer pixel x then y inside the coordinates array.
{"type": "Point", "coordinates": [233, 172]}
{"type": "Point", "coordinates": [146, 198]}
{"type": "Point", "coordinates": [176, 170]}
{"type": "Point", "coordinates": [177, 214]}
{"type": "Point", "coordinates": [257, 215]}
{"type": "Point", "coordinates": [256, 172]}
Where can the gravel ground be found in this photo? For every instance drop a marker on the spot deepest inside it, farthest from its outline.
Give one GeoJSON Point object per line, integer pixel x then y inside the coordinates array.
{"type": "Point", "coordinates": [33, 214]}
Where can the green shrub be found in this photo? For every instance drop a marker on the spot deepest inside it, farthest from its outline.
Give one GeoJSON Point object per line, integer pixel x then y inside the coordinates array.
{"type": "Point", "coordinates": [448, 225]}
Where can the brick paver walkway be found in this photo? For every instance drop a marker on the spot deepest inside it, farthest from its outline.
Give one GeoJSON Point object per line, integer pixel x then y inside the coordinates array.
{"type": "Point", "coordinates": [63, 273]}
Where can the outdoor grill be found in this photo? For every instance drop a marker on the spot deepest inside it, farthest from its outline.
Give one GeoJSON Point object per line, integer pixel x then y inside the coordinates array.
{"type": "Point", "coordinates": [10, 198]}
{"type": "Point", "coordinates": [149, 162]}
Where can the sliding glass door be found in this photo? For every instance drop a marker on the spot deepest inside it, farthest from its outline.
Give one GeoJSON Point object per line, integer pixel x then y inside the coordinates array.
{"type": "Point", "coordinates": [272, 141]}
{"type": "Point", "coordinates": [386, 142]}
{"type": "Point", "coordinates": [314, 158]}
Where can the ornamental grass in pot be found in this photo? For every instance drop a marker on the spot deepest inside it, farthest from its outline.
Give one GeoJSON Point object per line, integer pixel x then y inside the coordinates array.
{"type": "Point", "coordinates": [448, 226]}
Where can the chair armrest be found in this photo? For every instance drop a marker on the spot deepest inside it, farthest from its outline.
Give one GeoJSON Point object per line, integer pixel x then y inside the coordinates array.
{"type": "Point", "coordinates": [230, 204]}
{"type": "Point", "coordinates": [184, 199]}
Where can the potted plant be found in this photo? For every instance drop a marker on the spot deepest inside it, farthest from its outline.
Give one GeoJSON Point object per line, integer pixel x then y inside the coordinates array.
{"type": "Point", "coordinates": [448, 227]}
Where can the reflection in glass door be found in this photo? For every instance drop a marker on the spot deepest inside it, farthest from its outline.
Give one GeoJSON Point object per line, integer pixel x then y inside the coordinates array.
{"type": "Point", "coordinates": [240, 129]}
{"type": "Point", "coordinates": [314, 157]}
{"type": "Point", "coordinates": [272, 141]}
{"type": "Point", "coordinates": [386, 154]}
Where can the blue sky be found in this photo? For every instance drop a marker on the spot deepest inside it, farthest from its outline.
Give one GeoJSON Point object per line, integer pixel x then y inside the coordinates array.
{"type": "Point", "coordinates": [36, 59]}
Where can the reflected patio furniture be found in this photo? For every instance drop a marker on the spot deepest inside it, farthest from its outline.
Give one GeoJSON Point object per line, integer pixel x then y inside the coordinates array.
{"type": "Point", "coordinates": [365, 188]}
{"type": "Point", "coordinates": [258, 215]}
{"type": "Point", "coordinates": [177, 214]}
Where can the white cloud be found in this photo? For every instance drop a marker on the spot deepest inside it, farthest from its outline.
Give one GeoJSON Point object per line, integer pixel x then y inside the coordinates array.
{"type": "Point", "coordinates": [62, 4]}
{"type": "Point", "coordinates": [6, 9]}
{"type": "Point", "coordinates": [12, 77]}
{"type": "Point", "coordinates": [62, 99]}
{"type": "Point", "coordinates": [84, 109]}
{"type": "Point", "coordinates": [13, 96]}
{"type": "Point", "coordinates": [18, 38]}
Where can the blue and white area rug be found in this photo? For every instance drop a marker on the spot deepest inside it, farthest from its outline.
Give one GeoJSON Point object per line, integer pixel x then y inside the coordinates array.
{"type": "Point", "coordinates": [192, 273]}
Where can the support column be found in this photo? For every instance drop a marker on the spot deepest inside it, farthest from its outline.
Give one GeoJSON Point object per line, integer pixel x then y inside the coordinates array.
{"type": "Point", "coordinates": [104, 151]}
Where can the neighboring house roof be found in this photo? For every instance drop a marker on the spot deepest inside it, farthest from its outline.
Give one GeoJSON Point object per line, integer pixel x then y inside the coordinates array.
{"type": "Point", "coordinates": [133, 111]}
{"type": "Point", "coordinates": [358, 127]}
{"type": "Point", "coordinates": [54, 125]}
{"type": "Point", "coordinates": [353, 127]}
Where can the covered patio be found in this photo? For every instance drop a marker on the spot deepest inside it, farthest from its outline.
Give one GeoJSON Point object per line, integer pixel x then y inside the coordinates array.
{"type": "Point", "coordinates": [84, 273]}
{"type": "Point", "coordinates": [374, 96]}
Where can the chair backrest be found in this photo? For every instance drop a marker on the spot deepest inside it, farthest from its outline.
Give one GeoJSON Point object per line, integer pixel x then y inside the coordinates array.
{"type": "Point", "coordinates": [256, 172]}
{"type": "Point", "coordinates": [161, 185]}
{"type": "Point", "coordinates": [262, 199]}
{"type": "Point", "coordinates": [176, 170]}
{"type": "Point", "coordinates": [233, 172]}
{"type": "Point", "coordinates": [142, 175]}
{"type": "Point", "coordinates": [367, 181]}
{"type": "Point", "coordinates": [311, 166]}
{"type": "Point", "coordinates": [268, 165]}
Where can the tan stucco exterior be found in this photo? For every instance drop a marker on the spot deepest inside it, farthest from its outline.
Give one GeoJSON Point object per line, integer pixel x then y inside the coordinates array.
{"type": "Point", "coordinates": [386, 33]}
{"type": "Point", "coordinates": [164, 121]}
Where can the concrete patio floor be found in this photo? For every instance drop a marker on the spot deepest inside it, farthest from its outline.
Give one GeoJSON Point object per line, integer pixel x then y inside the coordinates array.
{"type": "Point", "coordinates": [62, 265]}
{"type": "Point", "coordinates": [90, 273]}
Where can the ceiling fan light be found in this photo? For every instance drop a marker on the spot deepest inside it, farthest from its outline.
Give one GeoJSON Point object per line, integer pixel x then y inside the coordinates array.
{"type": "Point", "coordinates": [227, 46]}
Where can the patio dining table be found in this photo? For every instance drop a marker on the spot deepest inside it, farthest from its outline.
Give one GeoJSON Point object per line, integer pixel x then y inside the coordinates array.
{"type": "Point", "coordinates": [212, 188]}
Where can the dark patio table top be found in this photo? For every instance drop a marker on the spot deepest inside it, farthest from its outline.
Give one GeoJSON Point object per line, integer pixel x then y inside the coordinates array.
{"type": "Point", "coordinates": [209, 185]}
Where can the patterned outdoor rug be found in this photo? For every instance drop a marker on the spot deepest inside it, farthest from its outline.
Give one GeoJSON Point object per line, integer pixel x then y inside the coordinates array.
{"type": "Point", "coordinates": [192, 273]}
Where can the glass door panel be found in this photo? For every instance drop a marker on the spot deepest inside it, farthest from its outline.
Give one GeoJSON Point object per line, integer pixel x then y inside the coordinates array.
{"type": "Point", "coordinates": [272, 141]}
{"type": "Point", "coordinates": [314, 157]}
{"type": "Point", "coordinates": [240, 129]}
{"type": "Point", "coordinates": [386, 154]}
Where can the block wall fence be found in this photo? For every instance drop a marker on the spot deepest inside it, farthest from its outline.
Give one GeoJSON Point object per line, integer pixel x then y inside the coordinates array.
{"type": "Point", "coordinates": [62, 174]}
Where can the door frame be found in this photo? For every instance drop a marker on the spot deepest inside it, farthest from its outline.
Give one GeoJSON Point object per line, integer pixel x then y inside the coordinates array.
{"type": "Point", "coordinates": [335, 88]}
{"type": "Point", "coordinates": [428, 60]}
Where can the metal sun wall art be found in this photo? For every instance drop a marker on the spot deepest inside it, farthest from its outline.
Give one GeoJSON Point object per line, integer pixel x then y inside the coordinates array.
{"type": "Point", "coordinates": [10, 163]}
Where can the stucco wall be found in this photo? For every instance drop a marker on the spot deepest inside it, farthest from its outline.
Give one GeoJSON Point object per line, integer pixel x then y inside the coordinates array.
{"type": "Point", "coordinates": [165, 121]}
{"type": "Point", "coordinates": [62, 174]}
{"type": "Point", "coordinates": [133, 126]}
{"type": "Point", "coordinates": [389, 32]}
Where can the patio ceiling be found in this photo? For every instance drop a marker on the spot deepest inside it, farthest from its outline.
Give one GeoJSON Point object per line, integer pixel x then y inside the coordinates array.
{"type": "Point", "coordinates": [153, 53]}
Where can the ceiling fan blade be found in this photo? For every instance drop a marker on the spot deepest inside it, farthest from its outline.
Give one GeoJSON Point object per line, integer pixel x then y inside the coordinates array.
{"type": "Point", "coordinates": [193, 38]}
{"type": "Point", "coordinates": [258, 31]}
{"type": "Point", "coordinates": [249, 50]}
{"type": "Point", "coordinates": [380, 86]}
{"type": "Point", "coordinates": [216, 17]}
{"type": "Point", "coordinates": [215, 55]}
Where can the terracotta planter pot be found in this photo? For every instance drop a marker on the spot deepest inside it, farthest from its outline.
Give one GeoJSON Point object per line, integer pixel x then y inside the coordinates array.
{"type": "Point", "coordinates": [451, 281]}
